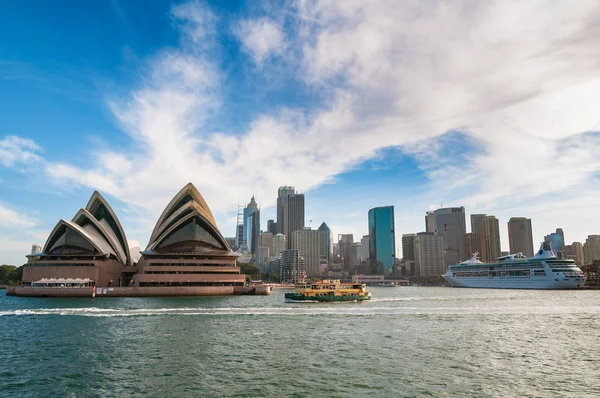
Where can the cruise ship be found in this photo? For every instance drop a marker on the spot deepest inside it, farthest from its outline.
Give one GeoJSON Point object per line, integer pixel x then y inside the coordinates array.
{"type": "Point", "coordinates": [516, 271]}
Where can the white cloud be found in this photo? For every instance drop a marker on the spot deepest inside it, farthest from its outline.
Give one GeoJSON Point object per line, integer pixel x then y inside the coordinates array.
{"type": "Point", "coordinates": [522, 80]}
{"type": "Point", "coordinates": [11, 218]}
{"type": "Point", "coordinates": [16, 150]}
{"type": "Point", "coordinates": [261, 38]}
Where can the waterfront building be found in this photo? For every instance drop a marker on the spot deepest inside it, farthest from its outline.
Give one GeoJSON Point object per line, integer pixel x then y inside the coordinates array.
{"type": "Point", "coordinates": [476, 243]}
{"type": "Point", "coordinates": [307, 242]}
{"type": "Point", "coordinates": [266, 240]}
{"type": "Point", "coordinates": [365, 247]}
{"type": "Point", "coordinates": [326, 242]}
{"type": "Point", "coordinates": [429, 221]}
{"type": "Point", "coordinates": [279, 244]}
{"type": "Point", "coordinates": [186, 248]}
{"type": "Point", "coordinates": [92, 246]}
{"type": "Point", "coordinates": [290, 210]}
{"type": "Point", "coordinates": [488, 228]}
{"type": "Point", "coordinates": [382, 240]}
{"type": "Point", "coordinates": [291, 266]}
{"type": "Point", "coordinates": [494, 250]}
{"type": "Point", "coordinates": [576, 251]}
{"type": "Point", "coordinates": [429, 254]}
{"type": "Point", "coordinates": [520, 236]}
{"type": "Point", "coordinates": [408, 254]}
{"type": "Point", "coordinates": [262, 257]}
{"type": "Point", "coordinates": [450, 225]}
{"type": "Point", "coordinates": [344, 242]}
{"type": "Point", "coordinates": [591, 249]}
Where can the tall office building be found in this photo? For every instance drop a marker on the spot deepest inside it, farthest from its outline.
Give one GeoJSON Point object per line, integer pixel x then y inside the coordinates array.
{"type": "Point", "coordinates": [272, 227]}
{"type": "Point", "coordinates": [476, 243]}
{"type": "Point", "coordinates": [326, 242]}
{"type": "Point", "coordinates": [266, 240]}
{"type": "Point", "coordinates": [382, 240]}
{"type": "Point", "coordinates": [364, 242]}
{"type": "Point", "coordinates": [408, 247]}
{"type": "Point", "coordinates": [480, 226]}
{"type": "Point", "coordinates": [494, 250]}
{"type": "Point", "coordinates": [557, 240]}
{"type": "Point", "coordinates": [429, 221]}
{"type": "Point", "coordinates": [307, 242]}
{"type": "Point", "coordinates": [251, 225]}
{"type": "Point", "coordinates": [290, 210]}
{"type": "Point", "coordinates": [356, 256]}
{"type": "Point", "coordinates": [591, 248]}
{"type": "Point", "coordinates": [429, 254]}
{"type": "Point", "coordinates": [279, 244]}
{"type": "Point", "coordinates": [450, 224]}
{"type": "Point", "coordinates": [262, 257]}
{"type": "Point", "coordinates": [344, 242]}
{"type": "Point", "coordinates": [576, 251]}
{"type": "Point", "coordinates": [520, 236]}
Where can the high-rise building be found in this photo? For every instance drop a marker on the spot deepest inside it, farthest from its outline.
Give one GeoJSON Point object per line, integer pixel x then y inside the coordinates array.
{"type": "Point", "coordinates": [429, 221]}
{"type": "Point", "coordinates": [266, 240]}
{"type": "Point", "coordinates": [251, 226]}
{"type": "Point", "coordinates": [591, 248]}
{"type": "Point", "coordinates": [476, 243]}
{"type": "Point", "coordinates": [279, 244]}
{"type": "Point", "coordinates": [494, 250]}
{"type": "Point", "coordinates": [480, 226]}
{"type": "Point", "coordinates": [356, 256]}
{"type": "Point", "coordinates": [429, 254]}
{"type": "Point", "coordinates": [307, 242]}
{"type": "Point", "coordinates": [344, 242]}
{"type": "Point", "coordinates": [450, 224]}
{"type": "Point", "coordinates": [365, 246]}
{"type": "Point", "coordinates": [557, 240]}
{"type": "Point", "coordinates": [262, 257]}
{"type": "Point", "coordinates": [326, 241]}
{"type": "Point", "coordinates": [382, 240]}
{"type": "Point", "coordinates": [520, 236]}
{"type": "Point", "coordinates": [290, 211]}
{"type": "Point", "coordinates": [576, 250]}
{"type": "Point", "coordinates": [408, 247]}
{"type": "Point", "coordinates": [291, 266]}
{"type": "Point", "coordinates": [272, 227]}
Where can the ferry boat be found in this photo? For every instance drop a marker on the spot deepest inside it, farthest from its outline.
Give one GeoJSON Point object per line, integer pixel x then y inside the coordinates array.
{"type": "Point", "coordinates": [329, 291]}
{"type": "Point", "coordinates": [516, 271]}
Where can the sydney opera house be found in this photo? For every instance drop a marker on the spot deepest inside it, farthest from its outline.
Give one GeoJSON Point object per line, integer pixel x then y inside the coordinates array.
{"type": "Point", "coordinates": [186, 254]}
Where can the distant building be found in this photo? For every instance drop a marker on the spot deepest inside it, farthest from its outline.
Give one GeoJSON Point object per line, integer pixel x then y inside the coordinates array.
{"type": "Point", "coordinates": [556, 239]}
{"type": "Point", "coordinates": [450, 224]}
{"type": "Point", "coordinates": [429, 221]}
{"type": "Point", "coordinates": [365, 247]}
{"type": "Point", "coordinates": [36, 249]}
{"type": "Point", "coordinates": [382, 240]}
{"type": "Point", "coordinates": [408, 247]}
{"type": "Point", "coordinates": [251, 225]}
{"type": "Point", "coordinates": [355, 256]}
{"type": "Point", "coordinates": [272, 227]}
{"type": "Point", "coordinates": [488, 228]}
{"type": "Point", "coordinates": [279, 244]}
{"type": "Point", "coordinates": [290, 211]}
{"type": "Point", "coordinates": [504, 253]}
{"type": "Point", "coordinates": [291, 266]}
{"type": "Point", "coordinates": [326, 242]}
{"type": "Point", "coordinates": [266, 240]}
{"type": "Point", "coordinates": [591, 248]}
{"type": "Point", "coordinates": [476, 243]}
{"type": "Point", "coordinates": [262, 257]}
{"type": "Point", "coordinates": [429, 254]}
{"type": "Point", "coordinates": [344, 242]}
{"type": "Point", "coordinates": [306, 241]}
{"type": "Point", "coordinates": [520, 236]}
{"type": "Point", "coordinates": [576, 250]}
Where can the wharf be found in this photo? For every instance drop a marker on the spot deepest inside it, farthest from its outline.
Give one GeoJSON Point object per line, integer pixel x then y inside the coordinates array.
{"type": "Point", "coordinates": [167, 291]}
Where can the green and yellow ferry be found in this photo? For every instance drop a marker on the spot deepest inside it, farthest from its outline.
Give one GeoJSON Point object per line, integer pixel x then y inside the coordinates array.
{"type": "Point", "coordinates": [329, 291]}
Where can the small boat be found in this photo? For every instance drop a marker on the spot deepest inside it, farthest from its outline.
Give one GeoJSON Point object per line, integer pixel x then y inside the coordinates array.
{"type": "Point", "coordinates": [329, 291]}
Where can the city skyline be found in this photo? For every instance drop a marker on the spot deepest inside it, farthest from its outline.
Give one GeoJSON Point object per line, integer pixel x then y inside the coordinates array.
{"type": "Point", "coordinates": [241, 99]}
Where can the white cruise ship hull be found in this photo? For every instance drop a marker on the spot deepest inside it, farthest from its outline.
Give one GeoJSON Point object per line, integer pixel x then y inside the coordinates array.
{"type": "Point", "coordinates": [534, 282]}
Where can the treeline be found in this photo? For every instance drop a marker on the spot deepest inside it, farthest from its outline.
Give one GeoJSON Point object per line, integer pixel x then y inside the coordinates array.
{"type": "Point", "coordinates": [10, 275]}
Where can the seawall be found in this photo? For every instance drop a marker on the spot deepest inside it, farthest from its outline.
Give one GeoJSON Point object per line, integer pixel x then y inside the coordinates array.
{"type": "Point", "coordinates": [138, 291]}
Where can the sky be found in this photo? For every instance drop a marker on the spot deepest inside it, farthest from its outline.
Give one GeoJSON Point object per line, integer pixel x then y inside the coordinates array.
{"type": "Point", "coordinates": [488, 105]}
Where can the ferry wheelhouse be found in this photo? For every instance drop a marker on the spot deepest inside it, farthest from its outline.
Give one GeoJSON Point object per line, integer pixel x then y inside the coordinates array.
{"type": "Point", "coordinates": [516, 271]}
{"type": "Point", "coordinates": [328, 291]}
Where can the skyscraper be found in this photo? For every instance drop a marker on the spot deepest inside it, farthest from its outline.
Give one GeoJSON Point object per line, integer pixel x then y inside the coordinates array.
{"type": "Point", "coordinates": [356, 256]}
{"type": "Point", "coordinates": [272, 227]}
{"type": "Point", "coordinates": [429, 222]}
{"type": "Point", "coordinates": [291, 266]}
{"type": "Point", "coordinates": [556, 239]}
{"type": "Point", "coordinates": [520, 236]}
{"type": "Point", "coordinates": [326, 242]}
{"type": "Point", "coordinates": [494, 250]}
{"type": "Point", "coordinates": [266, 240]}
{"type": "Point", "coordinates": [450, 224]}
{"type": "Point", "coordinates": [487, 227]}
{"type": "Point", "coordinates": [365, 246]}
{"type": "Point", "coordinates": [429, 254]}
{"type": "Point", "coordinates": [591, 248]}
{"type": "Point", "coordinates": [576, 251]}
{"type": "Point", "coordinates": [306, 241]}
{"type": "Point", "coordinates": [344, 242]}
{"type": "Point", "coordinates": [476, 243]}
{"type": "Point", "coordinates": [251, 225]}
{"type": "Point", "coordinates": [382, 240]}
{"type": "Point", "coordinates": [290, 210]}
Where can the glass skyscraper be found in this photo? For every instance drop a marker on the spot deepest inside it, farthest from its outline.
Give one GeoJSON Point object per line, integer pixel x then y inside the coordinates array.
{"type": "Point", "coordinates": [382, 241]}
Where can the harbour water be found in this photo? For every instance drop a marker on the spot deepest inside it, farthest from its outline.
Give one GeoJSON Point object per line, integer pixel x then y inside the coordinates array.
{"type": "Point", "coordinates": [405, 342]}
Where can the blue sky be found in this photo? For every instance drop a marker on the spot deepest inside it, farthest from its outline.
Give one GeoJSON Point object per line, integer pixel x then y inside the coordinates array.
{"type": "Point", "coordinates": [483, 105]}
